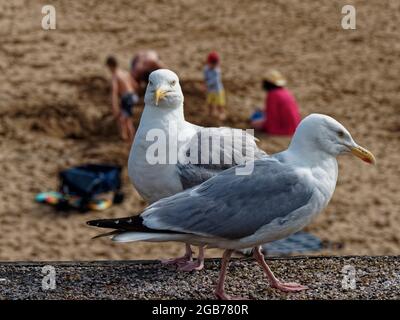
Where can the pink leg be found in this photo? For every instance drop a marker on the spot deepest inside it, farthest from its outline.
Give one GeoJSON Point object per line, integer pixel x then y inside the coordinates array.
{"type": "Point", "coordinates": [220, 291]}
{"type": "Point", "coordinates": [197, 265]}
{"type": "Point", "coordinates": [274, 282]}
{"type": "Point", "coordinates": [182, 260]}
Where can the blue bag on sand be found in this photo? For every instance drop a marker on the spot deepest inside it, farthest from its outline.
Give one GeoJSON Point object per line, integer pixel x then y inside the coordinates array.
{"type": "Point", "coordinates": [90, 180]}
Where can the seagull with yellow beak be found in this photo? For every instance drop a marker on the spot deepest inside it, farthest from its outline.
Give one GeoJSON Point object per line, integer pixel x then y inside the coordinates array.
{"type": "Point", "coordinates": [282, 196]}
{"type": "Point", "coordinates": [161, 173]}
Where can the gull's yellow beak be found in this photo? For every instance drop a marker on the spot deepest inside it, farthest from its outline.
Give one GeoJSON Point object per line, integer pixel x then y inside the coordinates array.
{"type": "Point", "coordinates": [158, 95]}
{"type": "Point", "coordinates": [363, 154]}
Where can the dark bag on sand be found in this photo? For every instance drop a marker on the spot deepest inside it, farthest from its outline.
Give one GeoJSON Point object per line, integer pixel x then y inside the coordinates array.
{"type": "Point", "coordinates": [88, 181]}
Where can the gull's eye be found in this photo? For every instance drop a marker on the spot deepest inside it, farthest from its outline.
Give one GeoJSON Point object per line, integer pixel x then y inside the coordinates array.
{"type": "Point", "coordinates": [173, 82]}
{"type": "Point", "coordinates": [150, 83]}
{"type": "Point", "coordinates": [340, 134]}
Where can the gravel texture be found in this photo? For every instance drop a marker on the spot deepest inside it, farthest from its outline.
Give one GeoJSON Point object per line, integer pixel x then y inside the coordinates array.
{"type": "Point", "coordinates": [375, 278]}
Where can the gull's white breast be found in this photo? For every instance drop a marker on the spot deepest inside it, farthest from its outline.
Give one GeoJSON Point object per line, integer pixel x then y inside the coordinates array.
{"type": "Point", "coordinates": [160, 180]}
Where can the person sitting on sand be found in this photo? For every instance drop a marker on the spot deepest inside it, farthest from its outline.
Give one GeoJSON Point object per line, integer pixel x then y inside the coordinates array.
{"type": "Point", "coordinates": [123, 99]}
{"type": "Point", "coordinates": [144, 63]}
{"type": "Point", "coordinates": [215, 89]}
{"type": "Point", "coordinates": [281, 114]}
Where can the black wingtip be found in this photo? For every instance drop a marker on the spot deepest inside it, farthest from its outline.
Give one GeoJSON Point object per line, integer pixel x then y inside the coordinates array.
{"type": "Point", "coordinates": [91, 223]}
{"type": "Point", "coordinates": [118, 223]}
{"type": "Point", "coordinates": [95, 223]}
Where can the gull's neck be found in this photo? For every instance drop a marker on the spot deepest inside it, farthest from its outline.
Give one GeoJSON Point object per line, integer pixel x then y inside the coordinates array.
{"type": "Point", "coordinates": [322, 165]}
{"type": "Point", "coordinates": [306, 155]}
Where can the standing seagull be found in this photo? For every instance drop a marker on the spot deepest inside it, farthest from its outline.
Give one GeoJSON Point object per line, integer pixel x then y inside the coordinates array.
{"type": "Point", "coordinates": [163, 115]}
{"type": "Point", "coordinates": [229, 211]}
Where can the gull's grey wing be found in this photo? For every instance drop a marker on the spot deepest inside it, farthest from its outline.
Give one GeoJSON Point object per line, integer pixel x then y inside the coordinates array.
{"type": "Point", "coordinates": [233, 206]}
{"type": "Point", "coordinates": [192, 175]}
{"type": "Point", "coordinates": [213, 150]}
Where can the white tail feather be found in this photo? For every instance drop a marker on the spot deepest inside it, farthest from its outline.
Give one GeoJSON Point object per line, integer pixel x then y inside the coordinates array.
{"type": "Point", "coordinates": [151, 237]}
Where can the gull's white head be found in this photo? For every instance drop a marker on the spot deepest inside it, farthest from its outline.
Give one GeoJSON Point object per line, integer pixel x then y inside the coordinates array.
{"type": "Point", "coordinates": [321, 133]}
{"type": "Point", "coordinates": [163, 90]}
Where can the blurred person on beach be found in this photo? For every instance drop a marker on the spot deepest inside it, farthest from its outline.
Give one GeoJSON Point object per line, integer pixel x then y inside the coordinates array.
{"type": "Point", "coordinates": [281, 113]}
{"type": "Point", "coordinates": [214, 87]}
{"type": "Point", "coordinates": [144, 63]}
{"type": "Point", "coordinates": [123, 98]}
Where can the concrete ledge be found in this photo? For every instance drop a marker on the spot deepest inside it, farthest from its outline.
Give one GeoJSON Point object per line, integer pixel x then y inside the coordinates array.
{"type": "Point", "coordinates": [376, 278]}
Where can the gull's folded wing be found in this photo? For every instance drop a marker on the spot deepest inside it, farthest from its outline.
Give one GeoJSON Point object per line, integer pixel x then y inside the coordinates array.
{"type": "Point", "coordinates": [233, 206]}
{"type": "Point", "coordinates": [213, 150]}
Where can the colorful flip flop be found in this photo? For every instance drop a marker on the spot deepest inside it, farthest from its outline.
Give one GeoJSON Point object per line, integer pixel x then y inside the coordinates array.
{"type": "Point", "coordinates": [53, 198]}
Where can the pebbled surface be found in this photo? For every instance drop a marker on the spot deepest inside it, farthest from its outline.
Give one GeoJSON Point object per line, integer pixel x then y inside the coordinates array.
{"type": "Point", "coordinates": [375, 278]}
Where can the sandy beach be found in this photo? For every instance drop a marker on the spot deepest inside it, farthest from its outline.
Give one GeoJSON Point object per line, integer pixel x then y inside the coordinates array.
{"type": "Point", "coordinates": [55, 106]}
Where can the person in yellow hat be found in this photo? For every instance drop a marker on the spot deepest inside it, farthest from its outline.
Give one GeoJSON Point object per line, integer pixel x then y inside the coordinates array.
{"type": "Point", "coordinates": [281, 113]}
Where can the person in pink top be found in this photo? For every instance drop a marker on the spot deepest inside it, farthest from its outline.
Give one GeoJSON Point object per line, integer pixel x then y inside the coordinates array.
{"type": "Point", "coordinates": [281, 114]}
